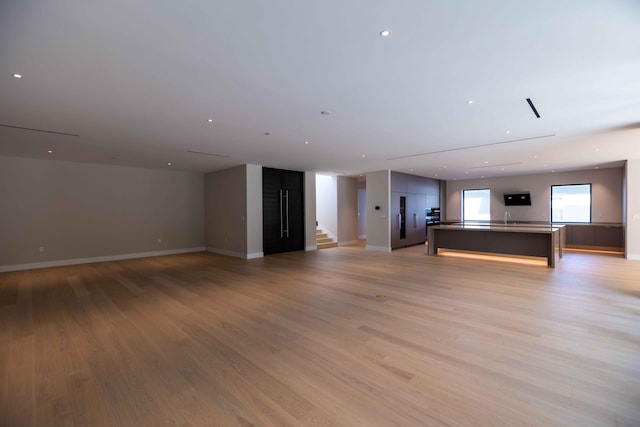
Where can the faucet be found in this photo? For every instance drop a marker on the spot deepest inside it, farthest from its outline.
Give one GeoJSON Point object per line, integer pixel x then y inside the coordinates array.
{"type": "Point", "coordinates": [507, 215]}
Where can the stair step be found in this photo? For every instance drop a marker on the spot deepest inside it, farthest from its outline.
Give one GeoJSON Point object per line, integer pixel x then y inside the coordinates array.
{"type": "Point", "coordinates": [323, 240]}
{"type": "Point", "coordinates": [327, 245]}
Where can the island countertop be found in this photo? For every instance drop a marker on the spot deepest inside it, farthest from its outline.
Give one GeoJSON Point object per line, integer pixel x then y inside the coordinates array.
{"type": "Point", "coordinates": [514, 239]}
{"type": "Point", "coordinates": [510, 228]}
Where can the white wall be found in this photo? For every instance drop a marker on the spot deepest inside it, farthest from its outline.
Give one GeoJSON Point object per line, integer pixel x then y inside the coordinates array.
{"type": "Point", "coordinates": [234, 211]}
{"type": "Point", "coordinates": [310, 211]}
{"type": "Point", "coordinates": [378, 225]}
{"type": "Point", "coordinates": [80, 212]}
{"type": "Point", "coordinates": [254, 211]}
{"type": "Point", "coordinates": [226, 211]}
{"type": "Point", "coordinates": [632, 213]}
{"type": "Point", "coordinates": [327, 203]}
{"type": "Point", "coordinates": [347, 210]}
{"type": "Point", "coordinates": [362, 210]}
{"type": "Point", "coordinates": [606, 194]}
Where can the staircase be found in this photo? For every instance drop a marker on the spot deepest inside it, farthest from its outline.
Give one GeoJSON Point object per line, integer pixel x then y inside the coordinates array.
{"type": "Point", "coordinates": [323, 241]}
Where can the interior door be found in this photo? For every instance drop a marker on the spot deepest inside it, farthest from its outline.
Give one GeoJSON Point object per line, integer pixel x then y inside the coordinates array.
{"type": "Point", "coordinates": [282, 210]}
{"type": "Point", "coordinates": [293, 210]}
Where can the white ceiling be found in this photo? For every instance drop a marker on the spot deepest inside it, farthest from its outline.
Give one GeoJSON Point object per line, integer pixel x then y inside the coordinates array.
{"type": "Point", "coordinates": [134, 82]}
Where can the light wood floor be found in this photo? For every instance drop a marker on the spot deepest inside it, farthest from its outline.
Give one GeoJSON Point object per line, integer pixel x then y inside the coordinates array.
{"type": "Point", "coordinates": [338, 337]}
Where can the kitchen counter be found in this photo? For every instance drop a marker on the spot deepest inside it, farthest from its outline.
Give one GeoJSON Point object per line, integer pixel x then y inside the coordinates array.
{"type": "Point", "coordinates": [540, 240]}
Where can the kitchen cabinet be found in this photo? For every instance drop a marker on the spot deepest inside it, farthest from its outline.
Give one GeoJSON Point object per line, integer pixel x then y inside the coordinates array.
{"type": "Point", "coordinates": [609, 236]}
{"type": "Point", "coordinates": [398, 219]}
{"type": "Point", "coordinates": [416, 222]}
{"type": "Point", "coordinates": [583, 236]}
{"type": "Point", "coordinates": [595, 235]}
{"type": "Point", "coordinates": [410, 196]}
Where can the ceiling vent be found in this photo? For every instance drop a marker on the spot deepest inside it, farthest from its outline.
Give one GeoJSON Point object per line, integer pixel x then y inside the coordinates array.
{"type": "Point", "coordinates": [448, 150]}
{"type": "Point", "coordinates": [208, 154]}
{"type": "Point", "coordinates": [39, 130]}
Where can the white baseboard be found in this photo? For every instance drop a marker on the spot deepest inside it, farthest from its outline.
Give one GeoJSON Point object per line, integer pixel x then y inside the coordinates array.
{"type": "Point", "coordinates": [235, 254]}
{"type": "Point", "coordinates": [254, 255]}
{"type": "Point", "coordinates": [378, 248]}
{"type": "Point", "coordinates": [62, 262]}
{"type": "Point", "coordinates": [362, 237]}
{"type": "Point", "coordinates": [349, 243]}
{"type": "Point", "coordinates": [633, 257]}
{"type": "Point", "coordinates": [311, 248]}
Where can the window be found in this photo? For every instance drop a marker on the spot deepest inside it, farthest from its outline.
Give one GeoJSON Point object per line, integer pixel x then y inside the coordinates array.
{"type": "Point", "coordinates": [571, 203]}
{"type": "Point", "coordinates": [476, 205]}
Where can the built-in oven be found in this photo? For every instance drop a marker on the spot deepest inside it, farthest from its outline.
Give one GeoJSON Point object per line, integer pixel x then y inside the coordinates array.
{"type": "Point", "coordinates": [432, 217]}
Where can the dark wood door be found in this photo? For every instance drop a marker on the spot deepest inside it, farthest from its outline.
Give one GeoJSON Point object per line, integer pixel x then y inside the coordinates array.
{"type": "Point", "coordinates": [282, 210]}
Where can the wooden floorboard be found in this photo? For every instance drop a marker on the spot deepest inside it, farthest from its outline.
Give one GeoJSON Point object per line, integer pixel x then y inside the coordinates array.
{"type": "Point", "coordinates": [339, 337]}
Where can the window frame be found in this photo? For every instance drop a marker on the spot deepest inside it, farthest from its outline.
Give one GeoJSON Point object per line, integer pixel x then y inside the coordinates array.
{"type": "Point", "coordinates": [462, 203]}
{"type": "Point", "coordinates": [571, 222]}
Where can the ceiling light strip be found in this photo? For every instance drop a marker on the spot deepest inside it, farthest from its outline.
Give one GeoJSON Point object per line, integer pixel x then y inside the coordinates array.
{"type": "Point", "coordinates": [39, 130]}
{"type": "Point", "coordinates": [472, 146]}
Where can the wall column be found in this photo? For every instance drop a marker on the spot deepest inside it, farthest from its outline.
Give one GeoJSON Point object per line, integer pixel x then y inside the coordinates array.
{"type": "Point", "coordinates": [632, 209]}
{"type": "Point", "coordinates": [310, 211]}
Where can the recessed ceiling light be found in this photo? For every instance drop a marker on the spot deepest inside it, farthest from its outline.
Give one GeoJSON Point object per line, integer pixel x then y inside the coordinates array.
{"type": "Point", "coordinates": [466, 172]}
{"type": "Point", "coordinates": [470, 101]}
{"type": "Point", "coordinates": [411, 170]}
{"type": "Point", "coordinates": [435, 174]}
{"type": "Point", "coordinates": [364, 155]}
{"type": "Point", "coordinates": [545, 165]}
{"type": "Point", "coordinates": [360, 174]}
{"type": "Point", "coordinates": [553, 171]}
{"type": "Point", "coordinates": [306, 143]}
{"type": "Point", "coordinates": [508, 131]}
{"type": "Point", "coordinates": [50, 152]}
{"type": "Point", "coordinates": [482, 177]}
{"type": "Point", "coordinates": [17, 76]}
{"type": "Point", "coordinates": [385, 33]}
{"type": "Point", "coordinates": [486, 162]}
{"type": "Point", "coordinates": [502, 168]}
{"type": "Point", "coordinates": [445, 166]}
{"type": "Point", "coordinates": [168, 163]}
{"type": "Point", "coordinates": [210, 120]}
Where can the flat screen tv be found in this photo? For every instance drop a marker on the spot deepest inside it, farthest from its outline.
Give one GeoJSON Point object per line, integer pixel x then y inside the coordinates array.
{"type": "Point", "coordinates": [517, 199]}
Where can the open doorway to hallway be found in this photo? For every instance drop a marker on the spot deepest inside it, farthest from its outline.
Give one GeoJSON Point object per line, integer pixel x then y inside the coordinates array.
{"type": "Point", "coordinates": [362, 209]}
{"type": "Point", "coordinates": [337, 208]}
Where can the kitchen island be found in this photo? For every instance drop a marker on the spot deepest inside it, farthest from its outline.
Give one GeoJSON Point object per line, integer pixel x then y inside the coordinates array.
{"type": "Point", "coordinates": [536, 240]}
